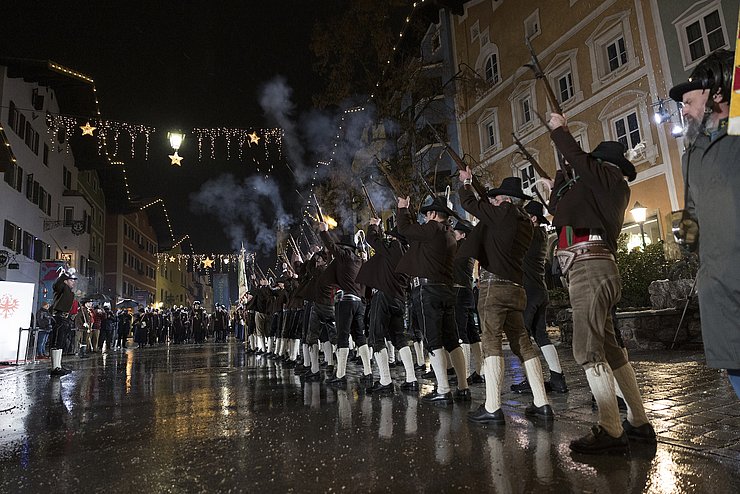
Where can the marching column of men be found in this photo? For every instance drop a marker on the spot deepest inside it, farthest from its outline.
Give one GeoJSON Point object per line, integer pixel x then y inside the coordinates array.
{"type": "Point", "coordinates": [418, 288]}
{"type": "Point", "coordinates": [417, 291]}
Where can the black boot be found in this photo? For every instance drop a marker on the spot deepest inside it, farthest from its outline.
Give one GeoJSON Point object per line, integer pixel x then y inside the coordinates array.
{"type": "Point", "coordinates": [557, 382]}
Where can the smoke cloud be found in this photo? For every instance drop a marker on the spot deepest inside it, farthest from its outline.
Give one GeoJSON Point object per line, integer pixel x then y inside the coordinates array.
{"type": "Point", "coordinates": [247, 210]}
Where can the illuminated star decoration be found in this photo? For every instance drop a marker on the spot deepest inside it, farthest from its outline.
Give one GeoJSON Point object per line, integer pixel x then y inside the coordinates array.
{"type": "Point", "coordinates": [176, 159]}
{"type": "Point", "coordinates": [172, 258]}
{"type": "Point", "coordinates": [254, 138]}
{"type": "Point", "coordinates": [207, 262]}
{"type": "Point", "coordinates": [87, 129]}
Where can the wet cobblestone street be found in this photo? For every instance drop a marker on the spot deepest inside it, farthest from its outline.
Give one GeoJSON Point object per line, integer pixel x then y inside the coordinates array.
{"type": "Point", "coordinates": [210, 418]}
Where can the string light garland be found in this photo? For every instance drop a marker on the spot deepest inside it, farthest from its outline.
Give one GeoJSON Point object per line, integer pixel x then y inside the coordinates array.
{"type": "Point", "coordinates": [272, 138]}
{"type": "Point", "coordinates": [166, 215]}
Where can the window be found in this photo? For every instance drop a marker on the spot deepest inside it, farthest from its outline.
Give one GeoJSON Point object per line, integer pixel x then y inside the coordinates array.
{"type": "Point", "coordinates": [491, 134]}
{"type": "Point", "coordinates": [616, 54]}
{"type": "Point", "coordinates": [523, 106]}
{"type": "Point", "coordinates": [13, 117]}
{"type": "Point", "coordinates": [491, 72]}
{"type": "Point", "coordinates": [532, 25]}
{"type": "Point", "coordinates": [12, 236]}
{"type": "Point", "coordinates": [69, 216]}
{"type": "Point", "coordinates": [436, 42]}
{"type": "Point", "coordinates": [67, 178]}
{"type": "Point", "coordinates": [701, 32]}
{"type": "Point", "coordinates": [565, 87]}
{"type": "Point", "coordinates": [19, 179]}
{"type": "Point", "coordinates": [28, 242]}
{"type": "Point", "coordinates": [474, 31]}
{"type": "Point", "coordinates": [627, 130]}
{"type": "Point", "coordinates": [29, 186]}
{"type": "Point", "coordinates": [611, 50]}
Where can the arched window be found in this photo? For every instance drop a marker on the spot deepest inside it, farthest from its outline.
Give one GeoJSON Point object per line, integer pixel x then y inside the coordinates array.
{"type": "Point", "coordinates": [491, 70]}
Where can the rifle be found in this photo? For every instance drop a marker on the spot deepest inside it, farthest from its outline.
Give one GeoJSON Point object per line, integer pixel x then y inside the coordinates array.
{"type": "Point", "coordinates": [294, 246]}
{"type": "Point", "coordinates": [314, 238]}
{"type": "Point", "coordinates": [461, 165]}
{"type": "Point", "coordinates": [388, 176]}
{"type": "Point", "coordinates": [426, 185]}
{"type": "Point", "coordinates": [539, 74]}
{"type": "Point", "coordinates": [373, 211]}
{"type": "Point", "coordinates": [318, 208]}
{"type": "Point", "coordinates": [530, 158]}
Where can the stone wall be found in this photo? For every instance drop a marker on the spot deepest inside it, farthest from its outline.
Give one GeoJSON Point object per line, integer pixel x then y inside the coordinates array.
{"type": "Point", "coordinates": [645, 329]}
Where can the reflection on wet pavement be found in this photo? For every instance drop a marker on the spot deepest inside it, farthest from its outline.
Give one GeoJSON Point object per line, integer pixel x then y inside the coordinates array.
{"type": "Point", "coordinates": [210, 418]}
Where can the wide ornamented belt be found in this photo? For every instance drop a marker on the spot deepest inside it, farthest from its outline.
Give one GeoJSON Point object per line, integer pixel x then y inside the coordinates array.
{"type": "Point", "coordinates": [582, 251]}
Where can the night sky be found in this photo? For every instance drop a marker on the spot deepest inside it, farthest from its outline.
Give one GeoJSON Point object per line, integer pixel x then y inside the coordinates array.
{"type": "Point", "coordinates": [177, 65]}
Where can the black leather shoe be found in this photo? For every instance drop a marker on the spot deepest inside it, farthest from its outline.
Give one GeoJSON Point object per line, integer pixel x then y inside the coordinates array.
{"type": "Point", "coordinates": [329, 369]}
{"type": "Point", "coordinates": [557, 382]}
{"type": "Point", "coordinates": [475, 378]}
{"type": "Point", "coordinates": [314, 378]}
{"type": "Point", "coordinates": [598, 442]}
{"type": "Point", "coordinates": [645, 433]}
{"type": "Point", "coordinates": [483, 416]}
{"type": "Point", "coordinates": [399, 363]}
{"type": "Point", "coordinates": [366, 379]}
{"type": "Point", "coordinates": [301, 371]}
{"type": "Point", "coordinates": [420, 368]}
{"type": "Point", "coordinates": [428, 375]}
{"type": "Point", "coordinates": [438, 398]}
{"type": "Point", "coordinates": [543, 412]}
{"type": "Point", "coordinates": [462, 395]}
{"type": "Point", "coordinates": [323, 364]}
{"type": "Point", "coordinates": [412, 386]}
{"type": "Point", "coordinates": [380, 388]}
{"type": "Point", "coordinates": [337, 382]}
{"type": "Point", "coordinates": [451, 372]}
{"type": "Point", "coordinates": [522, 387]}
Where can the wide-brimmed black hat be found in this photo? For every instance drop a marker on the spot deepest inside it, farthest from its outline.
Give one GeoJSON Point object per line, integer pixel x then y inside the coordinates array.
{"type": "Point", "coordinates": [536, 208]}
{"type": "Point", "coordinates": [613, 152]}
{"type": "Point", "coordinates": [510, 186]}
{"type": "Point", "coordinates": [676, 93]}
{"type": "Point", "coordinates": [438, 204]}
{"type": "Point", "coordinates": [463, 226]}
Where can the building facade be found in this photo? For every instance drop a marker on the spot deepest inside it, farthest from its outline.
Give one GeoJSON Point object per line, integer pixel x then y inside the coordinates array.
{"type": "Point", "coordinates": [130, 257]}
{"type": "Point", "coordinates": [605, 65]}
{"type": "Point", "coordinates": [44, 214]}
{"type": "Point", "coordinates": [89, 185]}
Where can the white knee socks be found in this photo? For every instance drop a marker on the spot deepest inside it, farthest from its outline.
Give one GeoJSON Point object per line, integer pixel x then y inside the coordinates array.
{"type": "Point", "coordinates": [342, 354]}
{"type": "Point", "coordinates": [552, 359]}
{"type": "Point", "coordinates": [457, 357]}
{"type": "Point", "coordinates": [625, 377]}
{"type": "Point", "coordinates": [438, 358]}
{"type": "Point", "coordinates": [534, 375]}
{"type": "Point", "coordinates": [601, 381]}
{"type": "Point", "coordinates": [384, 370]}
{"type": "Point", "coordinates": [493, 368]}
{"type": "Point", "coordinates": [408, 363]}
{"type": "Point", "coordinates": [364, 352]}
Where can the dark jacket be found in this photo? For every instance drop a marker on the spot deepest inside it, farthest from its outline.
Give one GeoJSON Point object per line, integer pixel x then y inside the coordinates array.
{"type": "Point", "coordinates": [63, 296]}
{"type": "Point", "coordinates": [316, 290]}
{"type": "Point", "coordinates": [379, 271]}
{"type": "Point", "coordinates": [506, 237]}
{"type": "Point", "coordinates": [597, 200]}
{"type": "Point", "coordinates": [431, 251]}
{"type": "Point", "coordinates": [344, 268]}
{"type": "Point", "coordinates": [463, 269]}
{"type": "Point", "coordinates": [534, 261]}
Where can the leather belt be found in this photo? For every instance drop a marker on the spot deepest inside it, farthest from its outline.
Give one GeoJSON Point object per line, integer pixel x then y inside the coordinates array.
{"type": "Point", "coordinates": [494, 279]}
{"type": "Point", "coordinates": [349, 296]}
{"type": "Point", "coordinates": [583, 251]}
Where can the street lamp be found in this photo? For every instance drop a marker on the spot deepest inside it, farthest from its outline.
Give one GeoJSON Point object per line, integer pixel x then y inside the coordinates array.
{"type": "Point", "coordinates": [639, 212]}
{"type": "Point", "coordinates": [176, 137]}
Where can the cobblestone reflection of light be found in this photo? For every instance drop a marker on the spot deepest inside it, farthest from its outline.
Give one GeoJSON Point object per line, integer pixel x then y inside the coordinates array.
{"type": "Point", "coordinates": [664, 473]}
